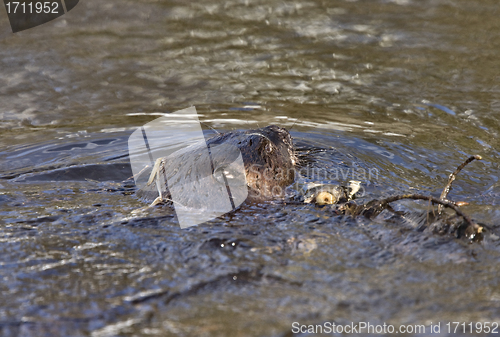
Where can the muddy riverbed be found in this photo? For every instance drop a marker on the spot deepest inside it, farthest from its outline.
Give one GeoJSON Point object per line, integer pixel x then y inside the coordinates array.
{"type": "Point", "coordinates": [400, 92]}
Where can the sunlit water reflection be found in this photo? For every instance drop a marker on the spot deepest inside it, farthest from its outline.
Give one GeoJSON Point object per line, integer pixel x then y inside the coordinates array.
{"type": "Point", "coordinates": [406, 88]}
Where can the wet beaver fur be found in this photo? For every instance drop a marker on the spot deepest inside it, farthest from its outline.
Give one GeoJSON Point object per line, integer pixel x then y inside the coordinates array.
{"type": "Point", "coordinates": [268, 156]}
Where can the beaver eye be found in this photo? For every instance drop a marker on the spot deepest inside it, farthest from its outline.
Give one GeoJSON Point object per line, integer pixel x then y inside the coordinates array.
{"type": "Point", "coordinates": [269, 148]}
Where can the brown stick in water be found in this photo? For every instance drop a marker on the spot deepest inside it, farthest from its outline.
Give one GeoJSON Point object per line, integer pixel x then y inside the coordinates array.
{"type": "Point", "coordinates": [452, 178]}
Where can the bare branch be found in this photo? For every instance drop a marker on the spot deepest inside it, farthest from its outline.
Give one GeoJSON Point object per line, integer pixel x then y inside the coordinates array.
{"type": "Point", "coordinates": [452, 178]}
{"type": "Point", "coordinates": [472, 228]}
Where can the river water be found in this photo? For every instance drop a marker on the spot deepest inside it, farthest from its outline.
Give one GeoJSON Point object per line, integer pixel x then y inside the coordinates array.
{"type": "Point", "coordinates": [407, 89]}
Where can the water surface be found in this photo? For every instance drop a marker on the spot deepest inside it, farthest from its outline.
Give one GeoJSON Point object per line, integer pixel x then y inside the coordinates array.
{"type": "Point", "coordinates": [406, 88]}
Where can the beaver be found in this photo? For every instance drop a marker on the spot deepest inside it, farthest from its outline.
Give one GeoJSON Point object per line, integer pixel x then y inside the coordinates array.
{"type": "Point", "coordinates": [268, 160]}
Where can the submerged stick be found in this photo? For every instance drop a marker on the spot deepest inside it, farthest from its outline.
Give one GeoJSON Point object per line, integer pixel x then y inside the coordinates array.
{"type": "Point", "coordinates": [472, 228]}
{"type": "Point", "coordinates": [452, 178]}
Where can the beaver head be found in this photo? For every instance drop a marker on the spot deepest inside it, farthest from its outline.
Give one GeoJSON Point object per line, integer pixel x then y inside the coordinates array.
{"type": "Point", "coordinates": [268, 156]}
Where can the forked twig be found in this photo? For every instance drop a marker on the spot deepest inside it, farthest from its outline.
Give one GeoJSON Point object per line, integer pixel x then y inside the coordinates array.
{"type": "Point", "coordinates": [472, 228]}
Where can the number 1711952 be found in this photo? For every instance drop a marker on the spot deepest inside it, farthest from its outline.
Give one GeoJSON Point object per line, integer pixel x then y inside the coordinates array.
{"type": "Point", "coordinates": [14, 7]}
{"type": "Point", "coordinates": [479, 327]}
